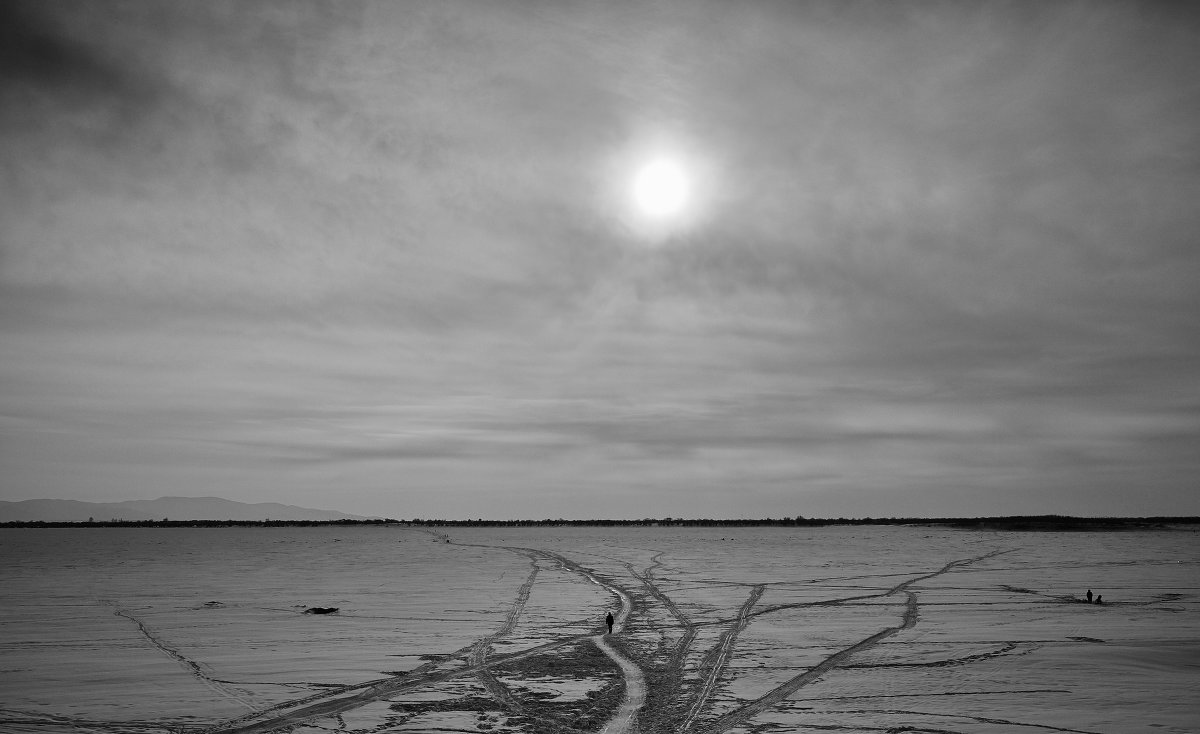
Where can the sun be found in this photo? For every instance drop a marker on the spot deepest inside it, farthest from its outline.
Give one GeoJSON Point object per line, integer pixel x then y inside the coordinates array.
{"type": "Point", "coordinates": [661, 189]}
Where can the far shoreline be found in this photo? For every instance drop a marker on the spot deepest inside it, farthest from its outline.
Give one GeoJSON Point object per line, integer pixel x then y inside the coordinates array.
{"type": "Point", "coordinates": [1012, 523]}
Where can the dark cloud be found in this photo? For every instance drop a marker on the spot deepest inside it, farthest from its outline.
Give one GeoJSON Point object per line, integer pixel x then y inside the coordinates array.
{"type": "Point", "coordinates": [37, 51]}
{"type": "Point", "coordinates": [51, 67]}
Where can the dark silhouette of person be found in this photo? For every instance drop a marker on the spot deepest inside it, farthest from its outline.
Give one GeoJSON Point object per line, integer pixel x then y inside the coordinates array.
{"type": "Point", "coordinates": [609, 621]}
{"type": "Point", "coordinates": [1098, 598]}
{"type": "Point", "coordinates": [1089, 596]}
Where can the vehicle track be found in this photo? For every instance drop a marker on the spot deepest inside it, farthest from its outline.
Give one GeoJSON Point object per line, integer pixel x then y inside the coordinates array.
{"type": "Point", "coordinates": [647, 579]}
{"type": "Point", "coordinates": [782, 692]}
{"type": "Point", "coordinates": [333, 703]}
{"type": "Point", "coordinates": [718, 659]}
{"type": "Point", "coordinates": [348, 698]}
{"type": "Point", "coordinates": [190, 665]}
{"type": "Point", "coordinates": [478, 660]}
{"type": "Point", "coordinates": [479, 651]}
{"type": "Point", "coordinates": [1003, 651]}
{"type": "Point", "coordinates": [624, 721]}
{"type": "Point", "coordinates": [690, 628]}
{"type": "Point", "coordinates": [981, 720]}
{"type": "Point", "coordinates": [664, 695]}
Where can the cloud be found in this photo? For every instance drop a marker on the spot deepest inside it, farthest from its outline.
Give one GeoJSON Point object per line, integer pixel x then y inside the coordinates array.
{"type": "Point", "coordinates": [946, 248]}
{"type": "Point", "coordinates": [42, 59]}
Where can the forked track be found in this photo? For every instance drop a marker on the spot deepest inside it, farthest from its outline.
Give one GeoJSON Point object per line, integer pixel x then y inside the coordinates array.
{"type": "Point", "coordinates": [352, 697]}
{"type": "Point", "coordinates": [625, 721]}
{"type": "Point", "coordinates": [479, 651]}
{"type": "Point", "coordinates": [685, 642]}
{"type": "Point", "coordinates": [720, 657]}
{"type": "Point", "coordinates": [191, 665]}
{"type": "Point", "coordinates": [784, 691]}
{"type": "Point", "coordinates": [666, 694]}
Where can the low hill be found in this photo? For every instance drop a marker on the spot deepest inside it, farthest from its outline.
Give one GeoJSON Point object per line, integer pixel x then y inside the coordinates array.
{"type": "Point", "coordinates": [174, 508]}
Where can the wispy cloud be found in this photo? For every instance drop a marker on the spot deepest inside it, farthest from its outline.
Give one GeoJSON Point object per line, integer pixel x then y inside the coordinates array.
{"type": "Point", "coordinates": [944, 261]}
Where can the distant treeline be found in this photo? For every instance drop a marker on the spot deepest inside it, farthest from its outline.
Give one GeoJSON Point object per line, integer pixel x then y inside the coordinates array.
{"type": "Point", "coordinates": [1049, 522]}
{"type": "Point", "coordinates": [1015, 522]}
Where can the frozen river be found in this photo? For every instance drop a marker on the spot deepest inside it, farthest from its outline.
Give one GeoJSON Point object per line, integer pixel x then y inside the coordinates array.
{"type": "Point", "coordinates": [867, 629]}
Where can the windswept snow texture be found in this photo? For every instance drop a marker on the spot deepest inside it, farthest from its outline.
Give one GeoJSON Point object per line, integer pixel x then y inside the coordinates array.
{"type": "Point", "coordinates": [880, 629]}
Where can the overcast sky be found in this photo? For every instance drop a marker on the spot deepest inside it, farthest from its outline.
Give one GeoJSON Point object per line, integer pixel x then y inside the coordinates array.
{"type": "Point", "coordinates": [932, 258]}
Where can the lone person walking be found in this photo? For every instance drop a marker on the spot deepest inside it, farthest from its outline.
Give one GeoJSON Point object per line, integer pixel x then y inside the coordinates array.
{"type": "Point", "coordinates": [609, 621]}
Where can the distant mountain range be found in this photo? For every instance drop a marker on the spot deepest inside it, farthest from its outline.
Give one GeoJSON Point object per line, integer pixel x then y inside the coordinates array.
{"type": "Point", "coordinates": [172, 508]}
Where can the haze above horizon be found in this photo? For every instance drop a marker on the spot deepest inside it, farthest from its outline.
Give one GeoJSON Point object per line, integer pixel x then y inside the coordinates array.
{"type": "Point", "coordinates": [823, 259]}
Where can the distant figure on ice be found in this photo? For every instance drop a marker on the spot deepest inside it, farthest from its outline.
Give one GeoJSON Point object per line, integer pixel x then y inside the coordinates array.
{"type": "Point", "coordinates": [1099, 598]}
{"type": "Point", "coordinates": [609, 621]}
{"type": "Point", "coordinates": [1089, 596]}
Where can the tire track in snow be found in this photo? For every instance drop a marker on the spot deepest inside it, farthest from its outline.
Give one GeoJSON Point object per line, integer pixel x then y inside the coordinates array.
{"type": "Point", "coordinates": [684, 643]}
{"type": "Point", "coordinates": [346, 698]}
{"type": "Point", "coordinates": [782, 692]}
{"type": "Point", "coordinates": [964, 660]}
{"type": "Point", "coordinates": [874, 696]}
{"type": "Point", "coordinates": [196, 669]}
{"type": "Point", "coordinates": [624, 721]}
{"type": "Point", "coordinates": [351, 697]}
{"type": "Point", "coordinates": [333, 703]}
{"type": "Point", "coordinates": [720, 657]}
{"type": "Point", "coordinates": [417, 677]}
{"type": "Point", "coordinates": [479, 651]}
{"type": "Point", "coordinates": [666, 693]}
{"type": "Point", "coordinates": [980, 719]}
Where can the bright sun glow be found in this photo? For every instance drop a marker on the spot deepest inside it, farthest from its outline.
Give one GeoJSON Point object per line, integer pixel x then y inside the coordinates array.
{"type": "Point", "coordinates": [660, 189]}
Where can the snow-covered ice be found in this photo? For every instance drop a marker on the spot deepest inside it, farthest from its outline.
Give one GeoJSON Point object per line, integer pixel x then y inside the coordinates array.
{"type": "Point", "coordinates": [849, 629]}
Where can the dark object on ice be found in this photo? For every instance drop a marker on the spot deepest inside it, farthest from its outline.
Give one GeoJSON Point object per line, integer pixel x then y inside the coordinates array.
{"type": "Point", "coordinates": [609, 621]}
{"type": "Point", "coordinates": [1099, 597]}
{"type": "Point", "coordinates": [320, 610]}
{"type": "Point", "coordinates": [1089, 596]}
{"type": "Point", "coordinates": [213, 604]}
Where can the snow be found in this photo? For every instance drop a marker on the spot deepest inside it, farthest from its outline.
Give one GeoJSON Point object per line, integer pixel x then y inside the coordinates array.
{"type": "Point", "coordinates": [854, 629]}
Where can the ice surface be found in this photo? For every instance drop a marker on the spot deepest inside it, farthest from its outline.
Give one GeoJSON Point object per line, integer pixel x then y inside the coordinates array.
{"type": "Point", "coordinates": [490, 630]}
